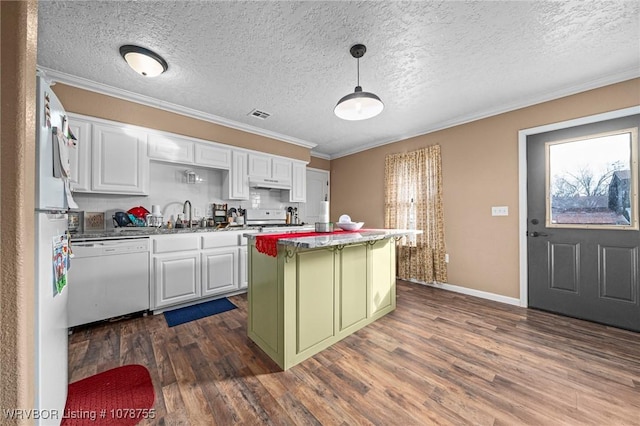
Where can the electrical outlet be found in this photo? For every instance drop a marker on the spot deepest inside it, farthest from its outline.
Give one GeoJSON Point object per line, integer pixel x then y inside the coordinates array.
{"type": "Point", "coordinates": [446, 258]}
{"type": "Point", "coordinates": [499, 211]}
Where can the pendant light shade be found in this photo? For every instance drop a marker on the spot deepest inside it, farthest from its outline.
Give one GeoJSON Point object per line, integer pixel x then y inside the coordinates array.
{"type": "Point", "coordinates": [143, 61]}
{"type": "Point", "coordinates": [358, 105]}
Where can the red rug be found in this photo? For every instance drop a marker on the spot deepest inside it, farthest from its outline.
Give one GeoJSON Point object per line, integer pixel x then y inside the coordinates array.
{"type": "Point", "coordinates": [121, 396]}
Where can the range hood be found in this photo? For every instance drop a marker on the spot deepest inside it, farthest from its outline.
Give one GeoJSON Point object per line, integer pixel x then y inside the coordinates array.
{"type": "Point", "coordinates": [267, 183]}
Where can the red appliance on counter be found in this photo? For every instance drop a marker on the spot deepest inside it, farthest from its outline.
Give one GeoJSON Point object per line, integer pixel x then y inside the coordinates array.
{"type": "Point", "coordinates": [139, 212]}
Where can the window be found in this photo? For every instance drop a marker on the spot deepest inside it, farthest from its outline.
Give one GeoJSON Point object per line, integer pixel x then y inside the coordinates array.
{"type": "Point", "coordinates": [413, 200]}
{"type": "Point", "coordinates": [591, 182]}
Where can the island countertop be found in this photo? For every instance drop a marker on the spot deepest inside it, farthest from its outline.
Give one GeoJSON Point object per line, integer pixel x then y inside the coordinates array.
{"type": "Point", "coordinates": [338, 238]}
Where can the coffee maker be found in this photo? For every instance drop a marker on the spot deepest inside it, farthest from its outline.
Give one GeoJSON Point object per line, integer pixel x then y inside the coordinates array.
{"type": "Point", "coordinates": [219, 213]}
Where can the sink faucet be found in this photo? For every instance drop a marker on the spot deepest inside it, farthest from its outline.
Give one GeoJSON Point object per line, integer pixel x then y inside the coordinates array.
{"type": "Point", "coordinates": [184, 210]}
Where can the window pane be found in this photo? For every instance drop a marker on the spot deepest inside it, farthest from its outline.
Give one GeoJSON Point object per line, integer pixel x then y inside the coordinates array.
{"type": "Point", "coordinates": [590, 181]}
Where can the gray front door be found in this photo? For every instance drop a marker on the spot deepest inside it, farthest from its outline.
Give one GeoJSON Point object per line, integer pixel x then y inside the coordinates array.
{"type": "Point", "coordinates": [582, 222]}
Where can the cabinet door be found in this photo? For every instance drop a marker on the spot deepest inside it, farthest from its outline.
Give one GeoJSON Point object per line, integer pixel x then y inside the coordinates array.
{"type": "Point", "coordinates": [213, 156]}
{"type": "Point", "coordinates": [118, 160]}
{"type": "Point", "coordinates": [176, 278]}
{"type": "Point", "coordinates": [235, 185]}
{"type": "Point", "coordinates": [80, 157]}
{"type": "Point", "coordinates": [259, 166]}
{"type": "Point", "coordinates": [383, 276]}
{"type": "Point", "coordinates": [298, 191]}
{"type": "Point", "coordinates": [352, 285]}
{"type": "Point", "coordinates": [240, 177]}
{"type": "Point", "coordinates": [281, 169]}
{"type": "Point", "coordinates": [315, 298]}
{"type": "Point", "coordinates": [219, 271]}
{"type": "Point", "coordinates": [243, 263]}
{"type": "Point", "coordinates": [172, 149]}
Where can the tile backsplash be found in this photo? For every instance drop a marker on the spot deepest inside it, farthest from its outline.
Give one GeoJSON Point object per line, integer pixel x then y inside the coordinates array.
{"type": "Point", "coordinates": [168, 188]}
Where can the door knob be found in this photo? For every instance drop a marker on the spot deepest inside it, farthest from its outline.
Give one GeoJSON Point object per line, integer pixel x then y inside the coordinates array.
{"type": "Point", "coordinates": [538, 234]}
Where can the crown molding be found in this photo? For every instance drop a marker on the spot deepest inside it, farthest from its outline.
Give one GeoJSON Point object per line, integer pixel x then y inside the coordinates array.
{"type": "Point", "coordinates": [83, 83]}
{"type": "Point", "coordinates": [320, 155]}
{"type": "Point", "coordinates": [545, 97]}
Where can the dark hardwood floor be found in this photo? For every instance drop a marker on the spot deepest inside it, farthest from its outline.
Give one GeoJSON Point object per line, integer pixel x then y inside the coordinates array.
{"type": "Point", "coordinates": [439, 358]}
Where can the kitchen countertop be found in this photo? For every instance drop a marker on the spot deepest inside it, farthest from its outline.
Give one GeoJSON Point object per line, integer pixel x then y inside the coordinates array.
{"type": "Point", "coordinates": [338, 238]}
{"type": "Point", "coordinates": [142, 232]}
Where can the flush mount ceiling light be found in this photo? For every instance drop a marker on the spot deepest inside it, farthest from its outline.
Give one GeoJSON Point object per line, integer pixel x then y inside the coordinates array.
{"type": "Point", "coordinates": [143, 61]}
{"type": "Point", "coordinates": [358, 105]}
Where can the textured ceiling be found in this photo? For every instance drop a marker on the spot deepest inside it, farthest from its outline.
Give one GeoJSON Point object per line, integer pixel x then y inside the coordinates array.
{"type": "Point", "coordinates": [433, 64]}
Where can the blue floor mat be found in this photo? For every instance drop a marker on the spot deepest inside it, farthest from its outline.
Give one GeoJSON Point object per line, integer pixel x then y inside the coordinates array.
{"type": "Point", "coordinates": [201, 310]}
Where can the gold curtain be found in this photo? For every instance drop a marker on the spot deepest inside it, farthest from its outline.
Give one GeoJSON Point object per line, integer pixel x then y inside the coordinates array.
{"type": "Point", "coordinates": [413, 200]}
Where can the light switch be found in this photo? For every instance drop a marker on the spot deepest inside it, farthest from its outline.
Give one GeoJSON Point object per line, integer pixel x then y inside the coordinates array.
{"type": "Point", "coordinates": [500, 211]}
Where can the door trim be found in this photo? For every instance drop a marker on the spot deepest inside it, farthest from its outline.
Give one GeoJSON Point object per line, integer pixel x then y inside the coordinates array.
{"type": "Point", "coordinates": [522, 181]}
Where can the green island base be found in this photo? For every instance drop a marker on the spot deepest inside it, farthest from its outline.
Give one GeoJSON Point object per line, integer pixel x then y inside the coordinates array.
{"type": "Point", "coordinates": [305, 300]}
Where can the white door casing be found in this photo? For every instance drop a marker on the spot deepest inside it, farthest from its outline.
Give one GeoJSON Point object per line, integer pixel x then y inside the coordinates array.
{"type": "Point", "coordinates": [317, 187]}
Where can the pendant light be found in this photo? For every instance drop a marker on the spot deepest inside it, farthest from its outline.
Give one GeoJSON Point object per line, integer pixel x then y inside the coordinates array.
{"type": "Point", "coordinates": [143, 61]}
{"type": "Point", "coordinates": [358, 105]}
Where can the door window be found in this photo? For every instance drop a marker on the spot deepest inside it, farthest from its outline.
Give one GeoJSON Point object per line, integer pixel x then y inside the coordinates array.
{"type": "Point", "coordinates": [591, 182]}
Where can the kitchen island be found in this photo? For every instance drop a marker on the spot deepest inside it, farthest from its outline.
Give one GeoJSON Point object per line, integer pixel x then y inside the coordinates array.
{"type": "Point", "coordinates": [308, 292]}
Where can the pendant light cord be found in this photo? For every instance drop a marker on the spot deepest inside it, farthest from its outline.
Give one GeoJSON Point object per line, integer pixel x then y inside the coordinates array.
{"type": "Point", "coordinates": [358, 67]}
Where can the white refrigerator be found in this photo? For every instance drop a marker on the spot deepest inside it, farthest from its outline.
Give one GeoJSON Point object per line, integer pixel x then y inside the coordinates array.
{"type": "Point", "coordinates": [52, 202]}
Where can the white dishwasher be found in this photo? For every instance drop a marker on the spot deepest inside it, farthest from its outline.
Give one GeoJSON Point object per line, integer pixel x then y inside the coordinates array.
{"type": "Point", "coordinates": [108, 278]}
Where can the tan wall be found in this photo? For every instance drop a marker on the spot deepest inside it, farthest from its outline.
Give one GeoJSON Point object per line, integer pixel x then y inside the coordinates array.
{"type": "Point", "coordinates": [19, 23]}
{"type": "Point", "coordinates": [97, 105]}
{"type": "Point", "coordinates": [319, 163]}
{"type": "Point", "coordinates": [480, 170]}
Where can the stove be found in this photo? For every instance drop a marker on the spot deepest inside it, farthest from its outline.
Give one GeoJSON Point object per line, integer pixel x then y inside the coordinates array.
{"type": "Point", "coordinates": [270, 220]}
{"type": "Point", "coordinates": [265, 217]}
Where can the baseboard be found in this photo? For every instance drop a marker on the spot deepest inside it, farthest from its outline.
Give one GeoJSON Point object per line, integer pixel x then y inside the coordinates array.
{"type": "Point", "coordinates": [471, 292]}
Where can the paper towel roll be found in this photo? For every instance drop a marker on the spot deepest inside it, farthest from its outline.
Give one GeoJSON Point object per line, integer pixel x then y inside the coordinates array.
{"type": "Point", "coordinates": [324, 211]}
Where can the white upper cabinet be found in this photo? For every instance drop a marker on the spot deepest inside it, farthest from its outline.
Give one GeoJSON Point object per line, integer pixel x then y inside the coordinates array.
{"type": "Point", "coordinates": [281, 169]}
{"type": "Point", "coordinates": [235, 185]}
{"type": "Point", "coordinates": [270, 167]}
{"type": "Point", "coordinates": [80, 157]}
{"type": "Point", "coordinates": [181, 150]}
{"type": "Point", "coordinates": [213, 156]}
{"type": "Point", "coordinates": [119, 160]}
{"type": "Point", "coordinates": [259, 166]}
{"type": "Point", "coordinates": [298, 191]}
{"type": "Point", "coordinates": [170, 148]}
{"type": "Point", "coordinates": [113, 158]}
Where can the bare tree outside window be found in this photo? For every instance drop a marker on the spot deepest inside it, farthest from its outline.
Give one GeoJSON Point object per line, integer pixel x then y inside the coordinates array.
{"type": "Point", "coordinates": [590, 180]}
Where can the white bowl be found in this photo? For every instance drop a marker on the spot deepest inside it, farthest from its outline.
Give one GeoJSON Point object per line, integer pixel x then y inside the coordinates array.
{"type": "Point", "coordinates": [345, 218]}
{"type": "Point", "coordinates": [349, 226]}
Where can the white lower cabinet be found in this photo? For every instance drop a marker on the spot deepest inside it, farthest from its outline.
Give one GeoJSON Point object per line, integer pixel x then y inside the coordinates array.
{"type": "Point", "coordinates": [243, 261]}
{"type": "Point", "coordinates": [176, 278]}
{"type": "Point", "coordinates": [219, 271]}
{"type": "Point", "coordinates": [244, 267]}
{"type": "Point", "coordinates": [192, 266]}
